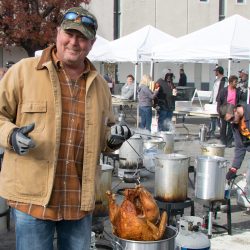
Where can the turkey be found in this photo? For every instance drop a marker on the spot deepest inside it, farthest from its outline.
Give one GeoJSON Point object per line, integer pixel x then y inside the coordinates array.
{"type": "Point", "coordinates": [138, 216]}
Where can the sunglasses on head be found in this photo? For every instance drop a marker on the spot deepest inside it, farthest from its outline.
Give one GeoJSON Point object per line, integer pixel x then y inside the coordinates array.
{"type": "Point", "coordinates": [85, 20]}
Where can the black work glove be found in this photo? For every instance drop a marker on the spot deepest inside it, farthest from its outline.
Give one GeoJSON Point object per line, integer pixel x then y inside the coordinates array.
{"type": "Point", "coordinates": [231, 174]}
{"type": "Point", "coordinates": [20, 141]}
{"type": "Point", "coordinates": [119, 134]}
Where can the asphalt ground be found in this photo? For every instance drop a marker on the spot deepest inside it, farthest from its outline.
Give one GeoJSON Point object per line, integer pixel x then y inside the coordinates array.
{"type": "Point", "coordinates": [188, 144]}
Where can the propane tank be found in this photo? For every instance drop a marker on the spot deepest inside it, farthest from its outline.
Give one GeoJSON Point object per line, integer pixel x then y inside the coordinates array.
{"type": "Point", "coordinates": [203, 133]}
{"type": "Point", "coordinates": [190, 236]}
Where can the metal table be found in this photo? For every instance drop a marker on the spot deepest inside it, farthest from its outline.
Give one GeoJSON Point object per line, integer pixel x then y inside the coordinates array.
{"type": "Point", "coordinates": [126, 107]}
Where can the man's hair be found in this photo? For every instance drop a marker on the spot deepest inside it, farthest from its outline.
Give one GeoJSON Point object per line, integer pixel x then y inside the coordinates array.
{"type": "Point", "coordinates": [219, 69]}
{"type": "Point", "coordinates": [131, 77]}
{"type": "Point", "coordinates": [232, 78]}
{"type": "Point", "coordinates": [226, 108]}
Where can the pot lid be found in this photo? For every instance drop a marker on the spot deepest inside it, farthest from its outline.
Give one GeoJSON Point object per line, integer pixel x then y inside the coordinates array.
{"type": "Point", "coordinates": [211, 158]}
{"type": "Point", "coordinates": [106, 167]}
{"type": "Point", "coordinates": [135, 136]}
{"type": "Point", "coordinates": [153, 140]}
{"type": "Point", "coordinates": [171, 157]}
{"type": "Point", "coordinates": [213, 145]}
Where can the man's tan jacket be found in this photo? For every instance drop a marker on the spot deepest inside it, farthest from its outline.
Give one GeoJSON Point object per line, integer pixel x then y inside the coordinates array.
{"type": "Point", "coordinates": [30, 93]}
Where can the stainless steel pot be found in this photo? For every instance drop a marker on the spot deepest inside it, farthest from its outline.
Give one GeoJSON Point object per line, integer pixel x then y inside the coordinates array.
{"type": "Point", "coordinates": [167, 243]}
{"type": "Point", "coordinates": [152, 144]}
{"type": "Point", "coordinates": [101, 204]}
{"type": "Point", "coordinates": [213, 149]}
{"type": "Point", "coordinates": [168, 138]}
{"type": "Point", "coordinates": [171, 177]}
{"type": "Point", "coordinates": [210, 177]}
{"type": "Point", "coordinates": [131, 153]}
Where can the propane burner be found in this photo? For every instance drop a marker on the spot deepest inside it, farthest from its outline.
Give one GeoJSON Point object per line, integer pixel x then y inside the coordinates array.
{"type": "Point", "coordinates": [175, 208]}
{"type": "Point", "coordinates": [131, 177]}
{"type": "Point", "coordinates": [98, 240]}
{"type": "Point", "coordinates": [98, 226]}
{"type": "Point", "coordinates": [208, 219]}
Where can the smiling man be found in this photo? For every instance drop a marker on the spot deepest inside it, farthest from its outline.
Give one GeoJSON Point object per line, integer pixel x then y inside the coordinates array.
{"type": "Point", "coordinates": [239, 117]}
{"type": "Point", "coordinates": [55, 120]}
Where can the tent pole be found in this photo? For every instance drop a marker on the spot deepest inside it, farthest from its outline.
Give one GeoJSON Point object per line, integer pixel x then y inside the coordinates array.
{"type": "Point", "coordinates": [135, 84]}
{"type": "Point", "coordinates": [229, 67]}
{"type": "Point", "coordinates": [142, 69]}
{"type": "Point", "coordinates": [152, 69]}
{"type": "Point", "coordinates": [135, 88]}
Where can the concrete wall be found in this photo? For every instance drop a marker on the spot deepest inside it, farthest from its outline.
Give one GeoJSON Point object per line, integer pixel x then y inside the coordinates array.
{"type": "Point", "coordinates": [175, 17]}
{"type": "Point", "coordinates": [104, 12]}
{"type": "Point", "coordinates": [241, 9]}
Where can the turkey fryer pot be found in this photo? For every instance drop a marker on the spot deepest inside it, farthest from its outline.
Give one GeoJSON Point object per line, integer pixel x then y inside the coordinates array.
{"type": "Point", "coordinates": [166, 243]}
{"type": "Point", "coordinates": [171, 177]}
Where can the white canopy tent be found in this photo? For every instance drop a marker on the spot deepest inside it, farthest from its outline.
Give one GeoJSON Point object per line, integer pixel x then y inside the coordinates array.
{"type": "Point", "coordinates": [100, 42]}
{"type": "Point", "coordinates": [227, 39]}
{"type": "Point", "coordinates": [135, 47]}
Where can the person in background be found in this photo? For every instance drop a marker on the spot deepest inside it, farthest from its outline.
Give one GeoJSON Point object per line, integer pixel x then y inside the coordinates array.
{"type": "Point", "coordinates": [166, 97]}
{"type": "Point", "coordinates": [127, 91]}
{"type": "Point", "coordinates": [110, 82]}
{"type": "Point", "coordinates": [239, 117]}
{"type": "Point", "coordinates": [145, 99]}
{"type": "Point", "coordinates": [232, 95]}
{"type": "Point", "coordinates": [55, 120]}
{"type": "Point", "coordinates": [219, 83]}
{"type": "Point", "coordinates": [170, 76]}
{"type": "Point", "coordinates": [183, 78]}
{"type": "Point", "coordinates": [243, 85]}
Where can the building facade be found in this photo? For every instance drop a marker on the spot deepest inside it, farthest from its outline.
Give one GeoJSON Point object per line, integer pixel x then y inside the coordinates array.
{"type": "Point", "coordinates": [175, 17]}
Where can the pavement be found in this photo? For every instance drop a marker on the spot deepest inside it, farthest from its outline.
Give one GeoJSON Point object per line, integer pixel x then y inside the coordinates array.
{"type": "Point", "coordinates": [191, 146]}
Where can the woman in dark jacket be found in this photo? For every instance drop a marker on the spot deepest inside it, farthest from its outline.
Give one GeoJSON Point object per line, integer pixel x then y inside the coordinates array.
{"type": "Point", "coordinates": [166, 102]}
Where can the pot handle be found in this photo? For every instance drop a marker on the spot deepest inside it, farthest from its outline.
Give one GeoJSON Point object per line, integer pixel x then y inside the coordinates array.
{"type": "Point", "coordinates": [116, 245]}
{"type": "Point", "coordinates": [224, 164]}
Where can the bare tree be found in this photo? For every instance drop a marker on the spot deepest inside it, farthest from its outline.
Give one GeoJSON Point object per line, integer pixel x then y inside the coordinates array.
{"type": "Point", "coordinates": [31, 24]}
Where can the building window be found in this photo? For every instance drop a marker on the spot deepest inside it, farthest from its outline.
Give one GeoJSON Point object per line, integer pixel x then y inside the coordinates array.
{"type": "Point", "coordinates": [221, 10]}
{"type": "Point", "coordinates": [240, 1]}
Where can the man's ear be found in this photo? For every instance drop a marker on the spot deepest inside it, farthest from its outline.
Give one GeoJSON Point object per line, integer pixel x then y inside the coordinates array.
{"type": "Point", "coordinates": [93, 41]}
